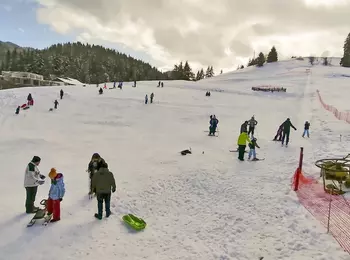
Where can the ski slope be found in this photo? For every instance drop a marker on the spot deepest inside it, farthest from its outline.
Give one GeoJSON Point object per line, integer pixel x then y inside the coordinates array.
{"type": "Point", "coordinates": [207, 205]}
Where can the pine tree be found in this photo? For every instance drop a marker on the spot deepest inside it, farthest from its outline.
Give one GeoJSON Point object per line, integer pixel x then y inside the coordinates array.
{"type": "Point", "coordinates": [207, 73]}
{"type": "Point", "coordinates": [187, 72]}
{"type": "Point", "coordinates": [261, 60]}
{"type": "Point", "coordinates": [272, 56]}
{"type": "Point", "coordinates": [212, 74]}
{"type": "Point", "coordinates": [345, 61]}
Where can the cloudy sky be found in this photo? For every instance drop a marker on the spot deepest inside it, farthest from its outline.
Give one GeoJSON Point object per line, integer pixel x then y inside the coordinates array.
{"type": "Point", "coordinates": [221, 33]}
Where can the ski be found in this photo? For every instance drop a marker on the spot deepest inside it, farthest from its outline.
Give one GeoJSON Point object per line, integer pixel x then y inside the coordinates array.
{"type": "Point", "coordinates": [260, 159]}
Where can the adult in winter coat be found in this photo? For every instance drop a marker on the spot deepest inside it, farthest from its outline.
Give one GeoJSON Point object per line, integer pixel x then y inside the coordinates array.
{"type": "Point", "coordinates": [56, 194]}
{"type": "Point", "coordinates": [103, 183]}
{"type": "Point", "coordinates": [32, 179]}
{"type": "Point", "coordinates": [286, 130]}
{"type": "Point", "coordinates": [242, 144]}
{"type": "Point", "coordinates": [213, 125]}
{"type": "Point", "coordinates": [61, 93]}
{"type": "Point", "coordinates": [252, 123]}
{"type": "Point", "coordinates": [146, 99]}
{"type": "Point", "coordinates": [306, 129]}
{"type": "Point", "coordinates": [56, 103]}
{"type": "Point", "coordinates": [244, 127]}
{"type": "Point", "coordinates": [151, 97]}
{"type": "Point", "coordinates": [94, 165]}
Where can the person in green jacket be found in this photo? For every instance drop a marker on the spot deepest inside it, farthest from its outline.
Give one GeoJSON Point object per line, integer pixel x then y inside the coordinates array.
{"type": "Point", "coordinates": [242, 144]}
{"type": "Point", "coordinates": [103, 183]}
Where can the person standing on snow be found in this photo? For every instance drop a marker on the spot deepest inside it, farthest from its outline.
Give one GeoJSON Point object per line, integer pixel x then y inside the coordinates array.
{"type": "Point", "coordinates": [56, 103]}
{"type": "Point", "coordinates": [93, 167]}
{"type": "Point", "coordinates": [278, 136]}
{"type": "Point", "coordinates": [61, 93]}
{"type": "Point", "coordinates": [242, 144]}
{"type": "Point", "coordinates": [146, 99]}
{"type": "Point", "coordinates": [151, 97]}
{"type": "Point", "coordinates": [286, 130]}
{"type": "Point", "coordinates": [32, 179]}
{"type": "Point", "coordinates": [252, 123]}
{"type": "Point", "coordinates": [213, 125]}
{"type": "Point", "coordinates": [103, 183]}
{"type": "Point", "coordinates": [17, 110]}
{"type": "Point", "coordinates": [244, 127]}
{"type": "Point", "coordinates": [306, 129]}
{"type": "Point", "coordinates": [100, 91]}
{"type": "Point", "coordinates": [252, 151]}
{"type": "Point", "coordinates": [56, 194]}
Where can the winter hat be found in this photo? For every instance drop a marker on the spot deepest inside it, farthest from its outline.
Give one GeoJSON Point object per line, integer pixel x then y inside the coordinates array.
{"type": "Point", "coordinates": [36, 159]}
{"type": "Point", "coordinates": [96, 156]}
{"type": "Point", "coordinates": [53, 173]}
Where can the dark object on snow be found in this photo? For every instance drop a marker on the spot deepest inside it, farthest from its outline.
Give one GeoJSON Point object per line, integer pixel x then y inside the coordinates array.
{"type": "Point", "coordinates": [17, 110]}
{"type": "Point", "coordinates": [100, 91]}
{"type": "Point", "coordinates": [56, 104]}
{"type": "Point", "coordinates": [151, 97]}
{"type": "Point", "coordinates": [286, 130]}
{"type": "Point", "coordinates": [40, 214]}
{"type": "Point", "coordinates": [61, 94]}
{"type": "Point", "coordinates": [184, 152]}
{"type": "Point", "coordinates": [207, 94]}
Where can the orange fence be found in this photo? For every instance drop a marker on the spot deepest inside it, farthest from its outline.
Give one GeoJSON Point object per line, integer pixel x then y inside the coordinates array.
{"type": "Point", "coordinates": [333, 211]}
{"type": "Point", "coordinates": [345, 116]}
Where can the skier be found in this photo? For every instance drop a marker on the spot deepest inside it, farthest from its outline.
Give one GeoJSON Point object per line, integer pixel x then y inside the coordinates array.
{"type": "Point", "coordinates": [252, 151]}
{"type": "Point", "coordinates": [151, 97]}
{"type": "Point", "coordinates": [61, 94]}
{"type": "Point", "coordinates": [278, 136]}
{"type": "Point", "coordinates": [244, 127]}
{"type": "Point", "coordinates": [56, 103]}
{"type": "Point", "coordinates": [306, 129]}
{"type": "Point", "coordinates": [56, 193]}
{"type": "Point", "coordinates": [158, 84]}
{"type": "Point", "coordinates": [242, 144]}
{"type": "Point", "coordinates": [100, 91]}
{"type": "Point", "coordinates": [30, 100]}
{"type": "Point", "coordinates": [213, 125]}
{"type": "Point", "coordinates": [252, 123]}
{"type": "Point", "coordinates": [32, 179]}
{"type": "Point", "coordinates": [134, 86]}
{"type": "Point", "coordinates": [103, 183]}
{"type": "Point", "coordinates": [286, 131]}
{"type": "Point", "coordinates": [146, 99]}
{"type": "Point", "coordinates": [162, 83]}
{"type": "Point", "coordinates": [94, 166]}
{"type": "Point", "coordinates": [114, 84]}
{"type": "Point", "coordinates": [17, 110]}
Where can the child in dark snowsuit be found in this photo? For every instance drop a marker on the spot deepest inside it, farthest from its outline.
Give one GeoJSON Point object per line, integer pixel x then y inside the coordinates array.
{"type": "Point", "coordinates": [17, 110]}
{"type": "Point", "coordinates": [278, 136]}
{"type": "Point", "coordinates": [213, 125]}
{"type": "Point", "coordinates": [100, 91]}
{"type": "Point", "coordinates": [61, 94]}
{"type": "Point", "coordinates": [146, 99]}
{"type": "Point", "coordinates": [252, 152]}
{"type": "Point", "coordinates": [151, 97]}
{"type": "Point", "coordinates": [306, 129]}
{"type": "Point", "coordinates": [56, 103]}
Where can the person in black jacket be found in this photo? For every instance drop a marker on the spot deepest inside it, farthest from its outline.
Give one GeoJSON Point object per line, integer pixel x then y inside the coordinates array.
{"type": "Point", "coordinates": [94, 165]}
{"type": "Point", "coordinates": [286, 131]}
{"type": "Point", "coordinates": [306, 129]}
{"type": "Point", "coordinates": [244, 127]}
{"type": "Point", "coordinates": [61, 93]}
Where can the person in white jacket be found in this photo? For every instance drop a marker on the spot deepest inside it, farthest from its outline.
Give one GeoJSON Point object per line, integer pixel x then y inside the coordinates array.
{"type": "Point", "coordinates": [32, 179]}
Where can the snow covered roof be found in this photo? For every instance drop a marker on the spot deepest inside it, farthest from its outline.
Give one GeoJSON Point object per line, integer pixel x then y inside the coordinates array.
{"type": "Point", "coordinates": [70, 81]}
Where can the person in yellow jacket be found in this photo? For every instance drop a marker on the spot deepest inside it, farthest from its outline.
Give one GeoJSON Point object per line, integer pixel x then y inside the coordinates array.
{"type": "Point", "coordinates": [242, 144]}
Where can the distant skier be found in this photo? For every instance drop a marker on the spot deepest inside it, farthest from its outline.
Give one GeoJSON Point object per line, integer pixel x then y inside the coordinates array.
{"type": "Point", "coordinates": [151, 97]}
{"type": "Point", "coordinates": [61, 94]}
{"type": "Point", "coordinates": [279, 134]}
{"type": "Point", "coordinates": [32, 179]}
{"type": "Point", "coordinates": [213, 125]}
{"type": "Point", "coordinates": [103, 183]}
{"type": "Point", "coordinates": [306, 129]}
{"type": "Point", "coordinates": [146, 99]}
{"type": "Point", "coordinates": [252, 151]}
{"type": "Point", "coordinates": [56, 194]}
{"type": "Point", "coordinates": [100, 91]}
{"type": "Point", "coordinates": [252, 123]}
{"type": "Point", "coordinates": [115, 84]}
{"type": "Point", "coordinates": [17, 110]}
{"type": "Point", "coordinates": [244, 127]}
{"type": "Point", "coordinates": [94, 165]}
{"type": "Point", "coordinates": [56, 104]}
{"type": "Point", "coordinates": [30, 100]}
{"type": "Point", "coordinates": [286, 131]}
{"type": "Point", "coordinates": [162, 84]}
{"type": "Point", "coordinates": [242, 144]}
{"type": "Point", "coordinates": [134, 86]}
{"type": "Point", "coordinates": [158, 84]}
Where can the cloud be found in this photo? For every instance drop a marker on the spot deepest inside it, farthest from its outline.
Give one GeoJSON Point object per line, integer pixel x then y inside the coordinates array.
{"type": "Point", "coordinates": [20, 29]}
{"type": "Point", "coordinates": [204, 32]}
{"type": "Point", "coordinates": [8, 8]}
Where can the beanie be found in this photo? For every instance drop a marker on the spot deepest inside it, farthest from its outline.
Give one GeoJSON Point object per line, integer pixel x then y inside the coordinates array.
{"type": "Point", "coordinates": [52, 173]}
{"type": "Point", "coordinates": [36, 159]}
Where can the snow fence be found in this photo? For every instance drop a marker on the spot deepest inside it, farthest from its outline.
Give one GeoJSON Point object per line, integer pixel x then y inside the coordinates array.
{"type": "Point", "coordinates": [345, 116]}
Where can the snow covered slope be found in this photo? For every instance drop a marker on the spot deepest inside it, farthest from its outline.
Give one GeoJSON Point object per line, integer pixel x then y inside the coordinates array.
{"type": "Point", "coordinates": [207, 205]}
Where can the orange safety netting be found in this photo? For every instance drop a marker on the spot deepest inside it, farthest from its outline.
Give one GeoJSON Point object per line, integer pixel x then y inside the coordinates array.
{"type": "Point", "coordinates": [312, 196]}
{"type": "Point", "coordinates": [345, 116]}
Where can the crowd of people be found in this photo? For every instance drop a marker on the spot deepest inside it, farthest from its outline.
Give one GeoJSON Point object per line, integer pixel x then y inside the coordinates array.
{"type": "Point", "coordinates": [269, 89]}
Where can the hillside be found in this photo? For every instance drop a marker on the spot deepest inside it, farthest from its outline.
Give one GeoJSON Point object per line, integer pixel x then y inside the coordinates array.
{"type": "Point", "coordinates": [5, 47]}
{"type": "Point", "coordinates": [206, 205]}
{"type": "Point", "coordinates": [87, 63]}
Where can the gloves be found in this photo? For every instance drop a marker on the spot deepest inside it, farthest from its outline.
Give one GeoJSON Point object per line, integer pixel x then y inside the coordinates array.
{"type": "Point", "coordinates": [42, 177]}
{"type": "Point", "coordinates": [61, 199]}
{"type": "Point", "coordinates": [40, 182]}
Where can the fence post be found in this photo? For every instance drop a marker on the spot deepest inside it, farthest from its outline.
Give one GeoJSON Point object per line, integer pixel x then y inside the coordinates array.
{"type": "Point", "coordinates": [296, 187]}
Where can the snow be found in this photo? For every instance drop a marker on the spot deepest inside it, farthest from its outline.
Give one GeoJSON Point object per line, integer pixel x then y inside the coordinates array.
{"type": "Point", "coordinates": [207, 205]}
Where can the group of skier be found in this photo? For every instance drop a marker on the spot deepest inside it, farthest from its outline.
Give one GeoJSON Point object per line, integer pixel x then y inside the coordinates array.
{"type": "Point", "coordinates": [151, 98]}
